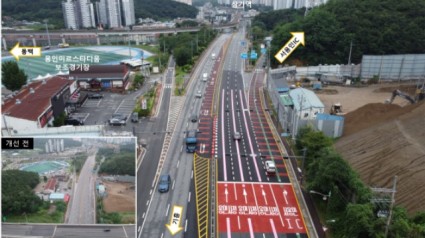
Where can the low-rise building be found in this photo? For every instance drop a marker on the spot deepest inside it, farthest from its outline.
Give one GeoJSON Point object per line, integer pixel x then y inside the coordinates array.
{"type": "Point", "coordinates": [35, 105]}
{"type": "Point", "coordinates": [101, 77]}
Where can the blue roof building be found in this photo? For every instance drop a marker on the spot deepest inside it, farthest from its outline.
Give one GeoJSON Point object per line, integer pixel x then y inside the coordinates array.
{"type": "Point", "coordinates": [306, 104]}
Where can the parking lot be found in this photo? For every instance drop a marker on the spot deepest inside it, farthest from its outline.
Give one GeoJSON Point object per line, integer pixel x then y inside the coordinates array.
{"type": "Point", "coordinates": [97, 111]}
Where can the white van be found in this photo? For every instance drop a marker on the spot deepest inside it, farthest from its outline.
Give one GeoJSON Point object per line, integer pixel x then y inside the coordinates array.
{"type": "Point", "coordinates": [205, 77]}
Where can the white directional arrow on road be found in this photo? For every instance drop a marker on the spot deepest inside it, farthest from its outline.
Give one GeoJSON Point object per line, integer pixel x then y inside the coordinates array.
{"type": "Point", "coordinates": [285, 193]}
{"type": "Point", "coordinates": [264, 195]}
{"type": "Point", "coordinates": [244, 194]}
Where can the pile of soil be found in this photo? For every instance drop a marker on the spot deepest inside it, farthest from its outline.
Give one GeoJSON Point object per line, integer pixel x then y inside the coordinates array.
{"type": "Point", "coordinates": [382, 141]}
{"type": "Point", "coordinates": [372, 114]}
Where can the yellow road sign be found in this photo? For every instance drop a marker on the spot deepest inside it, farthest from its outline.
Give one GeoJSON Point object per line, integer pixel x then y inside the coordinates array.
{"type": "Point", "coordinates": [290, 46]}
{"type": "Point", "coordinates": [25, 51]}
{"type": "Point", "coordinates": [175, 220]}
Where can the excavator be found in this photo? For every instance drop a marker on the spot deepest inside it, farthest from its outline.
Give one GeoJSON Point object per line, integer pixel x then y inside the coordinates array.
{"type": "Point", "coordinates": [402, 95]}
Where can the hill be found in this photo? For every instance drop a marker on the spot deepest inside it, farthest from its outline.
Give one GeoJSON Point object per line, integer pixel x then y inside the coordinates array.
{"type": "Point", "coordinates": [38, 10]}
{"type": "Point", "coordinates": [382, 141]}
{"type": "Point", "coordinates": [374, 27]}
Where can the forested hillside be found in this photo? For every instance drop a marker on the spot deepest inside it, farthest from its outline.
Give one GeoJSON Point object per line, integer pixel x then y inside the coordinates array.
{"type": "Point", "coordinates": [38, 10]}
{"type": "Point", "coordinates": [373, 26]}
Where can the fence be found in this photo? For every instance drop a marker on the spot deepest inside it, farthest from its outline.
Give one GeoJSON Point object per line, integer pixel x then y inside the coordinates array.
{"type": "Point", "coordinates": [393, 67]}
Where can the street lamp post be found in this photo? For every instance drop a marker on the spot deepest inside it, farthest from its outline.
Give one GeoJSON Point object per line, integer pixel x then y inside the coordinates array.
{"type": "Point", "coordinates": [47, 31]}
{"type": "Point", "coordinates": [325, 196]}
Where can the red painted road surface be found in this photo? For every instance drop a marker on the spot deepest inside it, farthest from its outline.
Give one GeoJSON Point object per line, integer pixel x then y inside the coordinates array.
{"type": "Point", "coordinates": [258, 208]}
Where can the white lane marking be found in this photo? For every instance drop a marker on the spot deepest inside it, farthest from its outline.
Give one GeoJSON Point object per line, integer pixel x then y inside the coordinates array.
{"type": "Point", "coordinates": [251, 230]}
{"type": "Point", "coordinates": [273, 228]}
{"type": "Point", "coordinates": [239, 223]}
{"type": "Point", "coordinates": [222, 137]}
{"type": "Point", "coordinates": [178, 162]}
{"type": "Point", "coordinates": [274, 198]}
{"type": "Point", "coordinates": [185, 226]}
{"type": "Point", "coordinates": [249, 141]}
{"type": "Point", "coordinates": [174, 182]}
{"type": "Point", "coordinates": [188, 197]}
{"type": "Point", "coordinates": [168, 208]}
{"type": "Point", "coordinates": [237, 142]}
{"type": "Point", "coordinates": [229, 232]}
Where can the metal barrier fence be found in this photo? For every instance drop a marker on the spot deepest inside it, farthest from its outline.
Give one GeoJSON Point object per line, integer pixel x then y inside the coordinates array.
{"type": "Point", "coordinates": [393, 67]}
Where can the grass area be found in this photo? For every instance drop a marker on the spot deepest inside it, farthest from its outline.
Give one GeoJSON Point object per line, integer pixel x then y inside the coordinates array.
{"type": "Point", "coordinates": [128, 217]}
{"type": "Point", "coordinates": [151, 48]}
{"type": "Point", "coordinates": [41, 216]}
{"type": "Point", "coordinates": [180, 74]}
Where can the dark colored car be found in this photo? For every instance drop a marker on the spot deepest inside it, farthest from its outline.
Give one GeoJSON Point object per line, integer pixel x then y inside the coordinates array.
{"type": "Point", "coordinates": [95, 96]}
{"type": "Point", "coordinates": [164, 183]}
{"type": "Point", "coordinates": [194, 118]}
{"type": "Point", "coordinates": [74, 121]}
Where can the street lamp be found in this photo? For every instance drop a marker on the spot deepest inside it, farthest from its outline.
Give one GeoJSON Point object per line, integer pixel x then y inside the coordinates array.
{"type": "Point", "coordinates": [47, 30]}
{"type": "Point", "coordinates": [325, 197]}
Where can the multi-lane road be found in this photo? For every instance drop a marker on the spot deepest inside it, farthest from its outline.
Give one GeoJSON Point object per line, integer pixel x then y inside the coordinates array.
{"type": "Point", "coordinates": [223, 190]}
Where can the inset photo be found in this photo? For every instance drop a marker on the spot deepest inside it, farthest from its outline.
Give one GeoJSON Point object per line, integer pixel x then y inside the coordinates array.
{"type": "Point", "coordinates": [65, 182]}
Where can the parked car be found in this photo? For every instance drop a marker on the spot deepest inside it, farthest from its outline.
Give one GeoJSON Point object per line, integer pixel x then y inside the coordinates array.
{"type": "Point", "coordinates": [164, 183]}
{"type": "Point", "coordinates": [117, 122]}
{"type": "Point", "coordinates": [119, 116]}
{"type": "Point", "coordinates": [135, 117]}
{"type": "Point", "coordinates": [236, 135]}
{"type": "Point", "coordinates": [74, 121]}
{"type": "Point", "coordinates": [95, 96]}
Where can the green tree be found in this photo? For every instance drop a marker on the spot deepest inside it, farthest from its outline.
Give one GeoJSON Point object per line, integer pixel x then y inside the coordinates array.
{"type": "Point", "coordinates": [182, 55]}
{"type": "Point", "coordinates": [358, 221]}
{"type": "Point", "coordinates": [60, 120]}
{"type": "Point", "coordinates": [13, 78]}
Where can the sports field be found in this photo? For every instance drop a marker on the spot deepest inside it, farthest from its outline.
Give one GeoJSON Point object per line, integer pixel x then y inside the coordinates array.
{"type": "Point", "coordinates": [57, 61]}
{"type": "Point", "coordinates": [44, 167]}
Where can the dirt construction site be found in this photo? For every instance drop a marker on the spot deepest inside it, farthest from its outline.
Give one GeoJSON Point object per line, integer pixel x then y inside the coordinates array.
{"type": "Point", "coordinates": [121, 197]}
{"type": "Point", "coordinates": [383, 140]}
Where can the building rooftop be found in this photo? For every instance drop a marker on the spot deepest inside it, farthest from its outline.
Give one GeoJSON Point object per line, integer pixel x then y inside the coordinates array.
{"type": "Point", "coordinates": [33, 100]}
{"type": "Point", "coordinates": [51, 183]}
{"type": "Point", "coordinates": [99, 71]}
{"type": "Point", "coordinates": [286, 100]}
{"type": "Point", "coordinates": [305, 98]}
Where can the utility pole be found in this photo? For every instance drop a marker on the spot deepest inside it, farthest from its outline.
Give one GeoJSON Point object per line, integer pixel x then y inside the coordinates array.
{"type": "Point", "coordinates": [129, 50]}
{"type": "Point", "coordinates": [47, 31]}
{"type": "Point", "coordinates": [391, 206]}
{"type": "Point", "coordinates": [349, 55]}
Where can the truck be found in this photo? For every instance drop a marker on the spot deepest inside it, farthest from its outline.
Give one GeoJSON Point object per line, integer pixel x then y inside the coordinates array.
{"type": "Point", "coordinates": [191, 141]}
{"type": "Point", "coordinates": [213, 56]}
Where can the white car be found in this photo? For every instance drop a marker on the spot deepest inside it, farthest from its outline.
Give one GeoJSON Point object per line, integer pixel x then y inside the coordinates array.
{"type": "Point", "coordinates": [198, 94]}
{"type": "Point", "coordinates": [270, 167]}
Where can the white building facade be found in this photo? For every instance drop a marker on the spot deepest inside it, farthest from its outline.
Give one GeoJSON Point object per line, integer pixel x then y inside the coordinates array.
{"type": "Point", "coordinates": [69, 15]}
{"type": "Point", "coordinates": [128, 12]}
